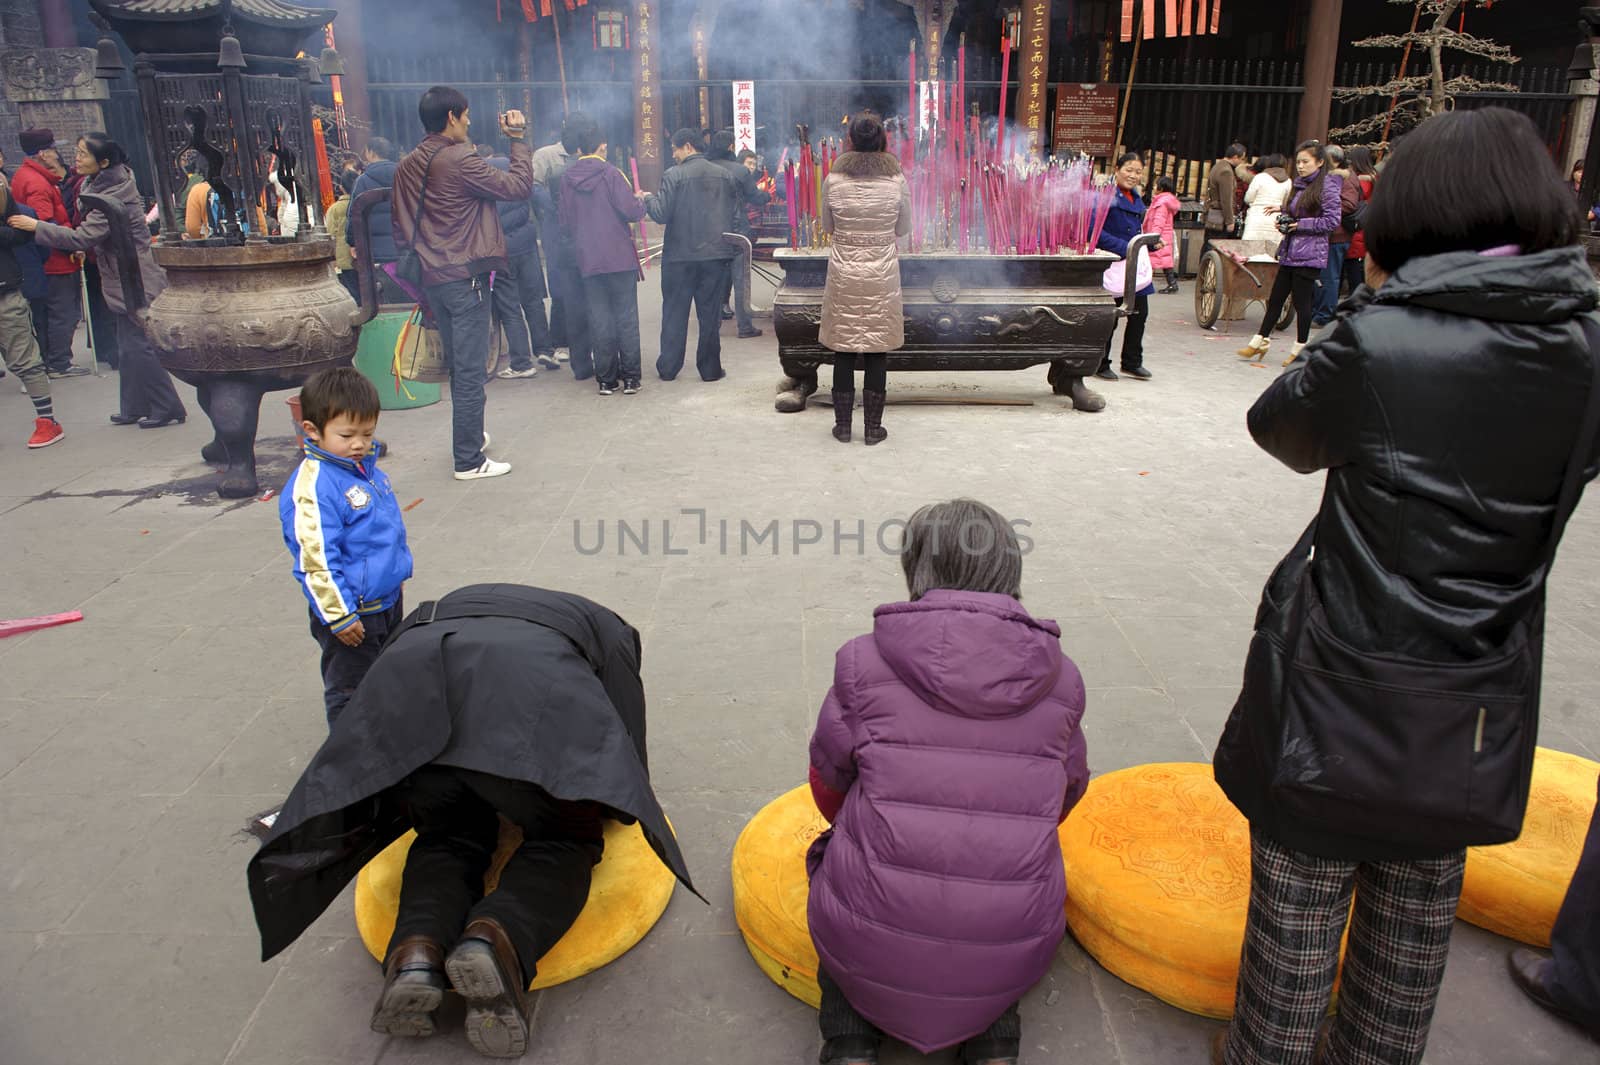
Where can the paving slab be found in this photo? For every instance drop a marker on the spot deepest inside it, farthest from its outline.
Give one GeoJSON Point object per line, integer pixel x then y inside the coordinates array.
{"type": "Point", "coordinates": [135, 744]}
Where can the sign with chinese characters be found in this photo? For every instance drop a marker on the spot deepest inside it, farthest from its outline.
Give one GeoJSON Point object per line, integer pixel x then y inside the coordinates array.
{"type": "Point", "coordinates": [1035, 60]}
{"type": "Point", "coordinates": [929, 103]}
{"type": "Point", "coordinates": [744, 116]}
{"type": "Point", "coordinates": [648, 140]}
{"type": "Point", "coordinates": [1086, 119]}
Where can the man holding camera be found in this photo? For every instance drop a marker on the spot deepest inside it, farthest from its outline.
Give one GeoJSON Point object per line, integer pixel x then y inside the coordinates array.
{"type": "Point", "coordinates": [447, 230]}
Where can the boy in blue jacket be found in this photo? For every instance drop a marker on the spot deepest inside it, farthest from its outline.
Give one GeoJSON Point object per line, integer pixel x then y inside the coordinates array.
{"type": "Point", "coordinates": [342, 524]}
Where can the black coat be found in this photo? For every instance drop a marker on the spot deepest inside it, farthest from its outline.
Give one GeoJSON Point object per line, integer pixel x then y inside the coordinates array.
{"type": "Point", "coordinates": [698, 203]}
{"type": "Point", "coordinates": [556, 702]}
{"type": "Point", "coordinates": [1445, 408]}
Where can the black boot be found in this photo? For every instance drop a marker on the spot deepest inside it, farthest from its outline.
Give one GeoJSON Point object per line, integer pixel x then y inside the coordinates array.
{"type": "Point", "coordinates": [843, 409]}
{"type": "Point", "coordinates": [872, 415]}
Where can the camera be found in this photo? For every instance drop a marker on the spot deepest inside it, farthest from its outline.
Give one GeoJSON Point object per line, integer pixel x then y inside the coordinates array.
{"type": "Point", "coordinates": [1286, 223]}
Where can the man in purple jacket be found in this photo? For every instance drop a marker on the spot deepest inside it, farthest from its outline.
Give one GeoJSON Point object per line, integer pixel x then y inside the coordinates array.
{"type": "Point", "coordinates": [947, 752]}
{"type": "Point", "coordinates": [597, 208]}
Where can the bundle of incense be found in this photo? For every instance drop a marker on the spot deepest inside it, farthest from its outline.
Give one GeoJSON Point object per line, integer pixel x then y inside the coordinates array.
{"type": "Point", "coordinates": [789, 201]}
{"type": "Point", "coordinates": [644, 245]}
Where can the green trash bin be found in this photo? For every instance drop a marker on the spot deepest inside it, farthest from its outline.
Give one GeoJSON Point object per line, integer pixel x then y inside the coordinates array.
{"type": "Point", "coordinates": [375, 360]}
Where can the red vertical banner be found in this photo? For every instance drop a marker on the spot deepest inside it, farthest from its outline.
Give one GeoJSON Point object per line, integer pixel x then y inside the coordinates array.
{"type": "Point", "coordinates": [1035, 63]}
{"type": "Point", "coordinates": [1187, 26]}
{"type": "Point", "coordinates": [1216, 15]}
{"type": "Point", "coordinates": [1149, 19]}
{"type": "Point", "coordinates": [1172, 18]}
{"type": "Point", "coordinates": [1127, 20]}
{"type": "Point", "coordinates": [701, 70]}
{"type": "Point", "coordinates": [648, 140]}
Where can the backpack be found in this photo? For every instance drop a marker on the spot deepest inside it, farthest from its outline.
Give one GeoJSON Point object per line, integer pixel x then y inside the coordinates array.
{"type": "Point", "coordinates": [1353, 221]}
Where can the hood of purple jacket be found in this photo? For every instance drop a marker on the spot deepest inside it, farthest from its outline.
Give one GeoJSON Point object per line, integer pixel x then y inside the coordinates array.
{"type": "Point", "coordinates": [970, 653]}
{"type": "Point", "coordinates": [953, 733]}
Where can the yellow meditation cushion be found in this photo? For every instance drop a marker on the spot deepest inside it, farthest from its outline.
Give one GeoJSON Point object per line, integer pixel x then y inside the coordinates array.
{"type": "Point", "coordinates": [770, 886]}
{"type": "Point", "coordinates": [1158, 882]}
{"type": "Point", "coordinates": [1516, 888]}
{"type": "Point", "coordinates": [627, 896]}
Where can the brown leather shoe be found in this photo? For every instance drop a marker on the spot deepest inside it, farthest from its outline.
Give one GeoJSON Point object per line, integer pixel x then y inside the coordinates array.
{"type": "Point", "coordinates": [483, 967]}
{"type": "Point", "coordinates": [413, 987]}
{"type": "Point", "coordinates": [1219, 1044]}
{"type": "Point", "coordinates": [1530, 971]}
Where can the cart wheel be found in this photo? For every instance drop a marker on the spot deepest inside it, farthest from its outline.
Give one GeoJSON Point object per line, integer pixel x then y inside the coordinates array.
{"type": "Point", "coordinates": [1208, 290]}
{"type": "Point", "coordinates": [1286, 319]}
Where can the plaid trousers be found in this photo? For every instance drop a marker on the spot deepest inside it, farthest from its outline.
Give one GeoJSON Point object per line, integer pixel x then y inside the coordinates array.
{"type": "Point", "coordinates": [1399, 938]}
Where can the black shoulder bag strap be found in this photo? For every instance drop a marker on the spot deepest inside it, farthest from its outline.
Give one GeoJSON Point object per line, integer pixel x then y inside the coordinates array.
{"type": "Point", "coordinates": [422, 198]}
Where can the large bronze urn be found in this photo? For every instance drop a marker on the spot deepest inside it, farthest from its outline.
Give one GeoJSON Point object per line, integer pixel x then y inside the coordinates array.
{"type": "Point", "coordinates": [239, 321]}
{"type": "Point", "coordinates": [966, 312]}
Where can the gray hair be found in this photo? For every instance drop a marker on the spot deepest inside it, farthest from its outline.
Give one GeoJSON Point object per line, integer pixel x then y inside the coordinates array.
{"type": "Point", "coordinates": [1335, 154]}
{"type": "Point", "coordinates": [961, 545]}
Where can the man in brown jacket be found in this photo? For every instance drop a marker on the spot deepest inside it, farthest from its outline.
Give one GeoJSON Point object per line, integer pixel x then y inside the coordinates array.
{"type": "Point", "coordinates": [444, 211]}
{"type": "Point", "coordinates": [1221, 186]}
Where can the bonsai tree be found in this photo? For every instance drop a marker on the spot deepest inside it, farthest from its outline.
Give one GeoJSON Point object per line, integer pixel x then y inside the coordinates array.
{"type": "Point", "coordinates": [1415, 97]}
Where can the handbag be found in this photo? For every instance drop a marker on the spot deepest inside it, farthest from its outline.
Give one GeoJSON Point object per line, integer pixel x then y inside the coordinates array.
{"type": "Point", "coordinates": [1435, 755]}
{"type": "Point", "coordinates": [419, 351]}
{"type": "Point", "coordinates": [1116, 274]}
{"type": "Point", "coordinates": [408, 267]}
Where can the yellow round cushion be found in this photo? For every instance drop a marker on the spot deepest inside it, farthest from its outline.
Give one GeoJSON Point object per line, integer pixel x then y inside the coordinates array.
{"type": "Point", "coordinates": [627, 896]}
{"type": "Point", "coordinates": [1516, 888]}
{"type": "Point", "coordinates": [1158, 882]}
{"type": "Point", "coordinates": [770, 886]}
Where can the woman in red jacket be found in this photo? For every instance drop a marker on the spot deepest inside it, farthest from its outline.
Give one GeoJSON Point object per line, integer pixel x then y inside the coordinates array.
{"type": "Point", "coordinates": [1365, 175]}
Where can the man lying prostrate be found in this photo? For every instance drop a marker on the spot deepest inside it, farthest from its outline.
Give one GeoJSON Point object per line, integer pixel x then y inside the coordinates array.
{"type": "Point", "coordinates": [498, 699]}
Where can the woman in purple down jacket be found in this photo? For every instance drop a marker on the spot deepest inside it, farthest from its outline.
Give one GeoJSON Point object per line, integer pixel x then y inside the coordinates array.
{"type": "Point", "coordinates": [947, 752]}
{"type": "Point", "coordinates": [1314, 212]}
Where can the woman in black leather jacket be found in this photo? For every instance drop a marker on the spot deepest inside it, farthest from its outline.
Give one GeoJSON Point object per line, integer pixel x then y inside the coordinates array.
{"type": "Point", "coordinates": [1445, 406]}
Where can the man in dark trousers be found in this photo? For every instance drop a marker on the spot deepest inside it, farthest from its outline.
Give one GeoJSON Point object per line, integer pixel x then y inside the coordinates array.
{"type": "Point", "coordinates": [519, 293]}
{"type": "Point", "coordinates": [1221, 187]}
{"type": "Point", "coordinates": [444, 211]}
{"type": "Point", "coordinates": [497, 700]}
{"type": "Point", "coordinates": [750, 195]}
{"type": "Point", "coordinates": [569, 315]}
{"type": "Point", "coordinates": [1568, 982]}
{"type": "Point", "coordinates": [697, 203]}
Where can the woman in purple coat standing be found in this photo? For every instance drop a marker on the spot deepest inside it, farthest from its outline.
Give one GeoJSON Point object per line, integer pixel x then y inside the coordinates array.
{"type": "Point", "coordinates": [947, 752]}
{"type": "Point", "coordinates": [1314, 212]}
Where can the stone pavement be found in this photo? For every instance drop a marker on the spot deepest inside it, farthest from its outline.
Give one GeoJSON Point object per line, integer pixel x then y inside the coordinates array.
{"type": "Point", "coordinates": [135, 745]}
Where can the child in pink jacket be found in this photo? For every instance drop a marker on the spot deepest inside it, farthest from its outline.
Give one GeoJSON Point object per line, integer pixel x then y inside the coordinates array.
{"type": "Point", "coordinates": [1158, 220]}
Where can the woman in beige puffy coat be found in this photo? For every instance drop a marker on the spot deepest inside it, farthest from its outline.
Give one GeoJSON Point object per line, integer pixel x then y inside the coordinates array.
{"type": "Point", "coordinates": [866, 206]}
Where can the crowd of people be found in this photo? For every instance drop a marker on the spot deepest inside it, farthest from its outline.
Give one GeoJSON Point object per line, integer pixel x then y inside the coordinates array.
{"type": "Point", "coordinates": [461, 236]}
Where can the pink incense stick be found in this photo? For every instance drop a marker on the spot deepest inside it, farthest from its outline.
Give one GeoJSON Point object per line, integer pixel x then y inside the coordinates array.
{"type": "Point", "coordinates": [1005, 78]}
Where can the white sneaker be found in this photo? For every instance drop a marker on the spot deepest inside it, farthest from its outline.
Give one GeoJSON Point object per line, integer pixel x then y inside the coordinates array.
{"type": "Point", "coordinates": [562, 354]}
{"type": "Point", "coordinates": [490, 468]}
{"type": "Point", "coordinates": [510, 374]}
